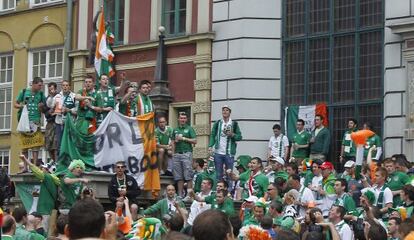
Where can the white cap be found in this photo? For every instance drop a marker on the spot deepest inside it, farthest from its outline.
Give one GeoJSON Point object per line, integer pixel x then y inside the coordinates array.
{"type": "Point", "coordinates": [251, 199]}
{"type": "Point", "coordinates": [279, 160]}
{"type": "Point", "coordinates": [226, 106]}
{"type": "Point", "coordinates": [349, 164]}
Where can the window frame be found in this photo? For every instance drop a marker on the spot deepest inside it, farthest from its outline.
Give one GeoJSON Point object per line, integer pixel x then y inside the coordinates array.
{"type": "Point", "coordinates": [115, 31]}
{"type": "Point", "coordinates": [176, 13]}
{"type": "Point", "coordinates": [332, 34]}
{"type": "Point", "coordinates": [48, 2]}
{"type": "Point", "coordinates": [47, 79]}
{"type": "Point", "coordinates": [8, 9]}
{"type": "Point", "coordinates": [173, 111]}
{"type": "Point", "coordinates": [8, 85]}
{"type": "Point", "coordinates": [2, 151]}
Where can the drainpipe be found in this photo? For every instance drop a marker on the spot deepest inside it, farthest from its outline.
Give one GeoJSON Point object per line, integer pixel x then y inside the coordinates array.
{"type": "Point", "coordinates": [68, 39]}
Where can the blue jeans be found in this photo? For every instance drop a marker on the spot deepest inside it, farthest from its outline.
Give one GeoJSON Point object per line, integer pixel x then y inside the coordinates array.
{"type": "Point", "coordinates": [219, 161]}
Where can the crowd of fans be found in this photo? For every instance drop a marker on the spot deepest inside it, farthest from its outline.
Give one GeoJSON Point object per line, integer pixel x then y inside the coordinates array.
{"type": "Point", "coordinates": [295, 193]}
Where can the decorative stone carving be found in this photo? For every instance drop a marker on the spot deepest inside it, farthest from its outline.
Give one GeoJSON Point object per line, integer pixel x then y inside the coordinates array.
{"type": "Point", "coordinates": [201, 107]}
{"type": "Point", "coordinates": [202, 129]}
{"type": "Point", "coordinates": [202, 84]}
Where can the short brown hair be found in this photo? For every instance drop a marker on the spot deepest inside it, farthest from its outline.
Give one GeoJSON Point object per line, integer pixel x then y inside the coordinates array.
{"type": "Point", "coordinates": [211, 224]}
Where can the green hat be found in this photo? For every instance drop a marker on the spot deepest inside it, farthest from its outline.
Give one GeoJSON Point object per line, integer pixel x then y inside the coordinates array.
{"type": "Point", "coordinates": [243, 161]}
{"type": "Point", "coordinates": [76, 163]}
{"type": "Point", "coordinates": [260, 204]}
{"type": "Point", "coordinates": [370, 196]}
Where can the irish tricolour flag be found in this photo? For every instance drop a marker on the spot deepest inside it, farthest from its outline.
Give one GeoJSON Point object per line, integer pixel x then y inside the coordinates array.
{"type": "Point", "coordinates": [118, 138]}
{"type": "Point", "coordinates": [103, 53]}
{"type": "Point", "coordinates": [307, 113]}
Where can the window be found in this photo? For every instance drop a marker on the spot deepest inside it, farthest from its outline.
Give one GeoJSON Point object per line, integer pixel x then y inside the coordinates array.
{"type": "Point", "coordinates": [175, 109]}
{"type": "Point", "coordinates": [42, 2]}
{"type": "Point", "coordinates": [115, 15]}
{"type": "Point", "coordinates": [6, 76]}
{"type": "Point", "coordinates": [47, 64]}
{"type": "Point", "coordinates": [5, 159]}
{"type": "Point", "coordinates": [333, 53]}
{"type": "Point", "coordinates": [174, 16]}
{"type": "Point", "coordinates": [7, 5]}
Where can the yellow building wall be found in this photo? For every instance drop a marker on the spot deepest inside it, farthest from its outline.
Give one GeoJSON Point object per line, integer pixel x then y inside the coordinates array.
{"type": "Point", "coordinates": [21, 31]}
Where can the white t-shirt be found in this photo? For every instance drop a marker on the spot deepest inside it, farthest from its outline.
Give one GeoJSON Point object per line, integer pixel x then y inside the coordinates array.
{"type": "Point", "coordinates": [344, 231]}
{"type": "Point", "coordinates": [388, 198]}
{"type": "Point", "coordinates": [277, 145]}
{"type": "Point", "coordinates": [197, 208]}
{"type": "Point", "coordinates": [223, 137]}
{"type": "Point", "coordinates": [306, 196]}
{"type": "Point", "coordinates": [316, 183]}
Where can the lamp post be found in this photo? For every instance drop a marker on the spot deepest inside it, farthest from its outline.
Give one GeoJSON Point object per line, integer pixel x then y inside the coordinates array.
{"type": "Point", "coordinates": [160, 94]}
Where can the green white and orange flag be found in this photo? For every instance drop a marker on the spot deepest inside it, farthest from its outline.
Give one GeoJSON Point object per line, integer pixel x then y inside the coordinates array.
{"type": "Point", "coordinates": [118, 138]}
{"type": "Point", "coordinates": [103, 53]}
{"type": "Point", "coordinates": [307, 113]}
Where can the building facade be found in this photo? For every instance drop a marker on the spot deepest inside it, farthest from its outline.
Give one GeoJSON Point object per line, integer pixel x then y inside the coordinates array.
{"type": "Point", "coordinates": [32, 37]}
{"type": "Point", "coordinates": [351, 55]}
{"type": "Point", "coordinates": [136, 25]}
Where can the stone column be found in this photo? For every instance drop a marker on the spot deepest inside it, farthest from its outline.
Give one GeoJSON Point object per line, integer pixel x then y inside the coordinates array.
{"type": "Point", "coordinates": [202, 104]}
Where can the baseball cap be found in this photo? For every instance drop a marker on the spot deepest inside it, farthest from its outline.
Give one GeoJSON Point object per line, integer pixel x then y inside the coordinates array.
{"type": "Point", "coordinates": [327, 165]}
{"type": "Point", "coordinates": [226, 106]}
{"type": "Point", "coordinates": [251, 199]}
{"type": "Point", "coordinates": [278, 159]}
{"type": "Point", "coordinates": [349, 164]}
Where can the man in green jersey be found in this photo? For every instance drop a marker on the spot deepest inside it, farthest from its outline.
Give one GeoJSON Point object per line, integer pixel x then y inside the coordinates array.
{"type": "Point", "coordinates": [128, 103]}
{"type": "Point", "coordinates": [8, 228]}
{"type": "Point", "coordinates": [143, 102]}
{"type": "Point", "coordinates": [253, 182]}
{"type": "Point", "coordinates": [222, 202]}
{"type": "Point", "coordinates": [396, 180]}
{"type": "Point", "coordinates": [320, 140]}
{"type": "Point", "coordinates": [73, 183]}
{"type": "Point", "coordinates": [342, 197]}
{"type": "Point", "coordinates": [88, 107]}
{"type": "Point", "coordinates": [20, 215]}
{"type": "Point", "coordinates": [259, 211]}
{"type": "Point", "coordinates": [348, 148]}
{"type": "Point", "coordinates": [184, 137]}
{"type": "Point", "coordinates": [48, 188]}
{"type": "Point", "coordinates": [34, 98]}
{"type": "Point", "coordinates": [107, 96]}
{"type": "Point", "coordinates": [300, 143]}
{"type": "Point", "coordinates": [163, 133]}
{"type": "Point", "coordinates": [276, 165]}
